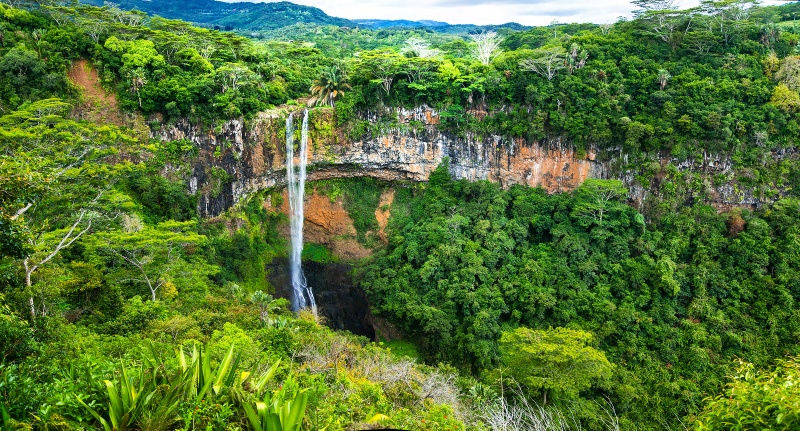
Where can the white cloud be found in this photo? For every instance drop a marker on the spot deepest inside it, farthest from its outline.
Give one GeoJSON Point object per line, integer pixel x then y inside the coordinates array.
{"type": "Point", "coordinates": [527, 12]}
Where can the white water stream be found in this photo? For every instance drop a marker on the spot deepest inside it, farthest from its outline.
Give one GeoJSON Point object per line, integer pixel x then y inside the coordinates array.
{"type": "Point", "coordinates": [302, 297]}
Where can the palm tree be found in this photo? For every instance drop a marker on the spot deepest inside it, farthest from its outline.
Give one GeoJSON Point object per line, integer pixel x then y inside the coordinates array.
{"type": "Point", "coordinates": [329, 86]}
{"type": "Point", "coordinates": [265, 304]}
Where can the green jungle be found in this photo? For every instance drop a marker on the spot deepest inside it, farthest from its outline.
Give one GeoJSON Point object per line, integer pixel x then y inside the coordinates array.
{"type": "Point", "coordinates": [122, 307]}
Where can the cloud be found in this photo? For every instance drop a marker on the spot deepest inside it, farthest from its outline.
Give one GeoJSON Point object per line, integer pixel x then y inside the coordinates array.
{"type": "Point", "coordinates": [527, 12]}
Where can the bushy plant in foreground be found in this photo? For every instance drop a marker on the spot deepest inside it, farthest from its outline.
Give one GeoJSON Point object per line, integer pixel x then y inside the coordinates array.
{"type": "Point", "coordinates": [756, 400]}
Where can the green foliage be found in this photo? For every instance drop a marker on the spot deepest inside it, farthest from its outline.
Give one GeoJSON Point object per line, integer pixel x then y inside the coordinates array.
{"type": "Point", "coordinates": [402, 348]}
{"type": "Point", "coordinates": [136, 316]}
{"type": "Point", "coordinates": [129, 399]}
{"type": "Point", "coordinates": [85, 233]}
{"type": "Point", "coordinates": [88, 380]}
{"type": "Point", "coordinates": [247, 17]}
{"type": "Point", "coordinates": [149, 62]}
{"type": "Point", "coordinates": [595, 198]}
{"type": "Point", "coordinates": [164, 259]}
{"type": "Point", "coordinates": [329, 86]}
{"type": "Point", "coordinates": [16, 336]}
{"type": "Point", "coordinates": [203, 380]}
{"type": "Point", "coordinates": [558, 361]}
{"type": "Point", "coordinates": [151, 400]}
{"type": "Point", "coordinates": [266, 304]}
{"type": "Point", "coordinates": [243, 254]}
{"type": "Point", "coordinates": [755, 400]}
{"type": "Point", "coordinates": [785, 99]}
{"type": "Point", "coordinates": [469, 262]}
{"type": "Point", "coordinates": [318, 253]}
{"type": "Point", "coordinates": [361, 198]}
{"type": "Point", "coordinates": [282, 411]}
{"type": "Point", "coordinates": [18, 188]}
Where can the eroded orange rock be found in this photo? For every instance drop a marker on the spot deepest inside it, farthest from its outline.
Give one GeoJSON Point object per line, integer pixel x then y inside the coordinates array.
{"type": "Point", "coordinates": [327, 223]}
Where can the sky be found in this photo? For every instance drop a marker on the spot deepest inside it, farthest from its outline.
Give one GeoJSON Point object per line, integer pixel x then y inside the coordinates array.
{"type": "Point", "coordinates": [527, 12]}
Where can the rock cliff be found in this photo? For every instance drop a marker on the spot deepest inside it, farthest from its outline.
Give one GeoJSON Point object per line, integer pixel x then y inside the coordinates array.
{"type": "Point", "coordinates": [253, 156]}
{"type": "Point", "coordinates": [238, 158]}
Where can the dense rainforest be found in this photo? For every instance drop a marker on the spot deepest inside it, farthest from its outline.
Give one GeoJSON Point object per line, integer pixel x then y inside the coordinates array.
{"type": "Point", "coordinates": [122, 308]}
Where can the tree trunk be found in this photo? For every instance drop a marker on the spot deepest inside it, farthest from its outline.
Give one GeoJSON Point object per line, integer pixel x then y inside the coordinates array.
{"type": "Point", "coordinates": [28, 284]}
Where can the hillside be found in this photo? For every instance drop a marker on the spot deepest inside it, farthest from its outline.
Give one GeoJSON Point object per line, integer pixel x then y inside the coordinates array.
{"type": "Point", "coordinates": [240, 16]}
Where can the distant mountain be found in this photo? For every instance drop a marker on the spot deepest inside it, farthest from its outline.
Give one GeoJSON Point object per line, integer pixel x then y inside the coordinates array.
{"type": "Point", "coordinates": [275, 15]}
{"type": "Point", "coordinates": [472, 28]}
{"type": "Point", "coordinates": [241, 16]}
{"type": "Point", "coordinates": [398, 23]}
{"type": "Point", "coordinates": [379, 24]}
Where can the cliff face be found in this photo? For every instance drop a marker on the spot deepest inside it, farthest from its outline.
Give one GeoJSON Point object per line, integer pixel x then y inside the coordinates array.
{"type": "Point", "coordinates": [253, 156]}
{"type": "Point", "coordinates": [237, 159]}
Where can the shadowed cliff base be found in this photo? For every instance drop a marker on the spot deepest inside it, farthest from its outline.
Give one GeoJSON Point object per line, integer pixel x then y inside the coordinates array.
{"type": "Point", "coordinates": [340, 302]}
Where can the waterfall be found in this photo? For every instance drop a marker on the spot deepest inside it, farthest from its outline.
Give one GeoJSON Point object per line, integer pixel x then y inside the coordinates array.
{"type": "Point", "coordinates": [302, 297]}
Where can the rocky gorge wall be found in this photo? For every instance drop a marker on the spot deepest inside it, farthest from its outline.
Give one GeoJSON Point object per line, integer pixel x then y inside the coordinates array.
{"type": "Point", "coordinates": [253, 156]}
{"type": "Point", "coordinates": [238, 158]}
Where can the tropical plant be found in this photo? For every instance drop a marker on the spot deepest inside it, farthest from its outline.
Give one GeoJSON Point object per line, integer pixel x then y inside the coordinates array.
{"type": "Point", "coordinates": [150, 400]}
{"type": "Point", "coordinates": [265, 304]}
{"type": "Point", "coordinates": [203, 378]}
{"type": "Point", "coordinates": [5, 417]}
{"type": "Point", "coordinates": [663, 78]}
{"type": "Point", "coordinates": [138, 402]}
{"type": "Point", "coordinates": [282, 411]}
{"type": "Point", "coordinates": [756, 400]}
{"type": "Point", "coordinates": [329, 86]}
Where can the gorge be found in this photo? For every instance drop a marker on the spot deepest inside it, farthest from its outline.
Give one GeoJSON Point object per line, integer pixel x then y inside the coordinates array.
{"type": "Point", "coordinates": [443, 228]}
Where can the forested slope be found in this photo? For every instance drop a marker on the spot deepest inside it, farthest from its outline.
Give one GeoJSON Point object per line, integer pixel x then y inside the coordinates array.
{"type": "Point", "coordinates": [671, 303]}
{"type": "Point", "coordinates": [229, 16]}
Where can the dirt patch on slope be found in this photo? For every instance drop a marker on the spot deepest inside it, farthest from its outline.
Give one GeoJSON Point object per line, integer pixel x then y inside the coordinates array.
{"type": "Point", "coordinates": [382, 213]}
{"type": "Point", "coordinates": [97, 105]}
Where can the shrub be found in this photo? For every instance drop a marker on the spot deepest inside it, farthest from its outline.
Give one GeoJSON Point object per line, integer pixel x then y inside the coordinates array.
{"type": "Point", "coordinates": [756, 400]}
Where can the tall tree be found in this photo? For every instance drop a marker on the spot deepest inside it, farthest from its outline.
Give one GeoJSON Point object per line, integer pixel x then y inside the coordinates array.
{"type": "Point", "coordinates": [597, 197]}
{"type": "Point", "coordinates": [729, 16]}
{"type": "Point", "coordinates": [485, 46]}
{"type": "Point", "coordinates": [418, 47]}
{"type": "Point", "coordinates": [382, 66]}
{"type": "Point", "coordinates": [156, 256]}
{"type": "Point", "coordinates": [329, 86]}
{"type": "Point", "coordinates": [62, 156]}
{"type": "Point", "coordinates": [556, 361]}
{"type": "Point", "coordinates": [547, 62]}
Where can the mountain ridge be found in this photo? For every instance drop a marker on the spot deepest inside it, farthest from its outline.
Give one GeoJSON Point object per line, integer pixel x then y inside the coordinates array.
{"type": "Point", "coordinates": [275, 15]}
{"type": "Point", "coordinates": [445, 27]}
{"type": "Point", "coordinates": [229, 16]}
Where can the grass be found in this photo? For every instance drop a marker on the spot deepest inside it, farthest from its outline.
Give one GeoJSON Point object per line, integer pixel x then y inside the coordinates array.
{"type": "Point", "coordinates": [318, 253]}
{"type": "Point", "coordinates": [402, 348]}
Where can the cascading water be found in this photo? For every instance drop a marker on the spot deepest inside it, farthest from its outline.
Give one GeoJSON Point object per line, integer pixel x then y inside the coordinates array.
{"type": "Point", "coordinates": [302, 297]}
